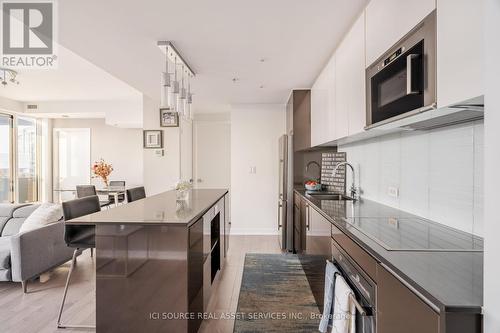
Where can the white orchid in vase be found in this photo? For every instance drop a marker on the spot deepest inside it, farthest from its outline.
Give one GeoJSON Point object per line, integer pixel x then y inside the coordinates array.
{"type": "Point", "coordinates": [182, 188]}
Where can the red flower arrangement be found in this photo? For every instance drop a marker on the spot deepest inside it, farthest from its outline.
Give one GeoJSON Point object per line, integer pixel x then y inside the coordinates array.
{"type": "Point", "coordinates": [102, 170]}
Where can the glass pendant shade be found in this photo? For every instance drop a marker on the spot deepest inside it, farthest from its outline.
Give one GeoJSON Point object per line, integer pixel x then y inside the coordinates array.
{"type": "Point", "coordinates": [180, 107]}
{"type": "Point", "coordinates": [175, 87]}
{"type": "Point", "coordinates": [165, 79]}
{"type": "Point", "coordinates": [164, 97]}
{"type": "Point", "coordinates": [172, 98]}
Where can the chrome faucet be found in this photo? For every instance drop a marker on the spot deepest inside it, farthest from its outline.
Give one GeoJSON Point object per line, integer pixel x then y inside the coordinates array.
{"type": "Point", "coordinates": [353, 189]}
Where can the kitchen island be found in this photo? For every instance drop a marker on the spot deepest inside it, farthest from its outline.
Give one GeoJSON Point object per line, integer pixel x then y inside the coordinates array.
{"type": "Point", "coordinates": [156, 260]}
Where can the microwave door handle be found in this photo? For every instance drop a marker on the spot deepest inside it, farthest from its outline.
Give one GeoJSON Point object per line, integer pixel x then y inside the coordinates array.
{"type": "Point", "coordinates": [409, 78]}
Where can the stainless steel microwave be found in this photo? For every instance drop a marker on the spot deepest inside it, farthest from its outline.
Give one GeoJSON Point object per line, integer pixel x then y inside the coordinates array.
{"type": "Point", "coordinates": [402, 82]}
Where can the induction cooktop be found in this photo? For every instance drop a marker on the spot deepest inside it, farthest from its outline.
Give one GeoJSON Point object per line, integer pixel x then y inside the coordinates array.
{"type": "Point", "coordinates": [415, 234]}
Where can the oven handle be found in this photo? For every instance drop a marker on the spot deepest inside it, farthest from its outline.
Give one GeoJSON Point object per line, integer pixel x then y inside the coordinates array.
{"type": "Point", "coordinates": [358, 306]}
{"type": "Point", "coordinates": [409, 81]}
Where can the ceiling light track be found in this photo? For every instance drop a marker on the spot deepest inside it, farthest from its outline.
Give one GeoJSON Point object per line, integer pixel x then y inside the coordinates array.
{"type": "Point", "coordinates": [8, 75]}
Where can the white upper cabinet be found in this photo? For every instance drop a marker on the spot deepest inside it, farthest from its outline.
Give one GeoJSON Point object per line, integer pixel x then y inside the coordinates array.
{"type": "Point", "coordinates": [322, 114]}
{"type": "Point", "coordinates": [350, 95]}
{"type": "Point", "coordinates": [342, 98]}
{"type": "Point", "coordinates": [459, 50]}
{"type": "Point", "coordinates": [387, 21]}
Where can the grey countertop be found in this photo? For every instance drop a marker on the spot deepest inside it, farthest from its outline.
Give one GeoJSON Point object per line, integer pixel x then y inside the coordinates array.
{"type": "Point", "coordinates": [162, 209]}
{"type": "Point", "coordinates": [452, 280]}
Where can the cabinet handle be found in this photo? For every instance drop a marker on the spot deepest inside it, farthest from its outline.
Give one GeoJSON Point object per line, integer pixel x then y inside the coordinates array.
{"type": "Point", "coordinates": [308, 226]}
{"type": "Point", "coordinates": [280, 205]}
{"type": "Point", "coordinates": [412, 289]}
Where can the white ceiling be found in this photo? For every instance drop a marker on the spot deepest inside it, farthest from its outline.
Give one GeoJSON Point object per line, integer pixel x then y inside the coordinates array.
{"type": "Point", "coordinates": [74, 79]}
{"type": "Point", "coordinates": [221, 39]}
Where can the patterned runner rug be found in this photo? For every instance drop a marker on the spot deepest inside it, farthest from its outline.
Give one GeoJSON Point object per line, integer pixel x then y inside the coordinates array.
{"type": "Point", "coordinates": [275, 295]}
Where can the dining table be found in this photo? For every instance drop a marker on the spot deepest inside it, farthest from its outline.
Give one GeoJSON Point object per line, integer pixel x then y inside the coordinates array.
{"type": "Point", "coordinates": [115, 191]}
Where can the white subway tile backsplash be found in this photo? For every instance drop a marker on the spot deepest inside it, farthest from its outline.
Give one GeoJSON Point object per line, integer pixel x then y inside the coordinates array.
{"type": "Point", "coordinates": [439, 173]}
{"type": "Point", "coordinates": [389, 173]}
{"type": "Point", "coordinates": [414, 189]}
{"type": "Point", "coordinates": [478, 177]}
{"type": "Point", "coordinates": [451, 175]}
{"type": "Point", "coordinates": [369, 175]}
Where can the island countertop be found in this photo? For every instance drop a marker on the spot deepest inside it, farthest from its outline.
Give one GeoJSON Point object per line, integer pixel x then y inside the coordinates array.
{"type": "Point", "coordinates": [159, 209]}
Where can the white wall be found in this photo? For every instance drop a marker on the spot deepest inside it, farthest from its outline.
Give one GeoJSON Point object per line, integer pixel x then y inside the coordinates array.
{"type": "Point", "coordinates": [492, 174]}
{"type": "Point", "coordinates": [255, 130]}
{"type": "Point", "coordinates": [119, 146]}
{"type": "Point", "coordinates": [439, 173]}
{"type": "Point", "coordinates": [160, 172]}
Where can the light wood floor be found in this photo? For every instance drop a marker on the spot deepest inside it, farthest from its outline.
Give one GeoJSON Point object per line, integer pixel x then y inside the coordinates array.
{"type": "Point", "coordinates": [37, 311]}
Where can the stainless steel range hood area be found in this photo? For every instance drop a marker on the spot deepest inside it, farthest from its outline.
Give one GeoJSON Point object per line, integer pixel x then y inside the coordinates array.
{"type": "Point", "coordinates": [423, 119]}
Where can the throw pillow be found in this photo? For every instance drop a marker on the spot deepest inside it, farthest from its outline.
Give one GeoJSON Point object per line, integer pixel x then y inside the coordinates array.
{"type": "Point", "coordinates": [45, 214]}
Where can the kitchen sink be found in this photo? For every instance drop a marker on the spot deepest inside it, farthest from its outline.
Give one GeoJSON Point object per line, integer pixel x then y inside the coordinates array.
{"type": "Point", "coordinates": [329, 196]}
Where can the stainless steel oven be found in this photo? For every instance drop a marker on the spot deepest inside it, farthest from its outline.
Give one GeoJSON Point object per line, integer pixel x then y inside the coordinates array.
{"type": "Point", "coordinates": [364, 288]}
{"type": "Point", "coordinates": [402, 82]}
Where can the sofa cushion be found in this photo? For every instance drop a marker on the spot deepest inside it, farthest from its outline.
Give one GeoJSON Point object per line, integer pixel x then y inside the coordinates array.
{"type": "Point", "coordinates": [6, 211]}
{"type": "Point", "coordinates": [24, 211]}
{"type": "Point", "coordinates": [19, 216]}
{"type": "Point", "coordinates": [4, 253]}
{"type": "Point", "coordinates": [45, 214]}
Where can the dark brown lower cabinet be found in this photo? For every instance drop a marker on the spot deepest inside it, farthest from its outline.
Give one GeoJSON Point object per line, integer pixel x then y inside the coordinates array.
{"type": "Point", "coordinates": [297, 226]}
{"type": "Point", "coordinates": [195, 274]}
{"type": "Point", "coordinates": [400, 310]}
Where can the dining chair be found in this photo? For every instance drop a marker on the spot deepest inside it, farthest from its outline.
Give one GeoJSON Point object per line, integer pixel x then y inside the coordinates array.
{"type": "Point", "coordinates": [83, 191]}
{"type": "Point", "coordinates": [79, 237]}
{"type": "Point", "coordinates": [136, 193]}
{"type": "Point", "coordinates": [121, 197]}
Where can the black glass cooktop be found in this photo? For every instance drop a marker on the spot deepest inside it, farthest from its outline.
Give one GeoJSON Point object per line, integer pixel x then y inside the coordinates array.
{"type": "Point", "coordinates": [415, 234]}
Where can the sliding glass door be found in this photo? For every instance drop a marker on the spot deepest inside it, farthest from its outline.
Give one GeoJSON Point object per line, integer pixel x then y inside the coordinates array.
{"type": "Point", "coordinates": [6, 160]}
{"type": "Point", "coordinates": [26, 144]}
{"type": "Point", "coordinates": [19, 154]}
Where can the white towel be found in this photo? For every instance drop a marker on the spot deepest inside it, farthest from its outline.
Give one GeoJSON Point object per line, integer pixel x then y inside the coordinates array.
{"type": "Point", "coordinates": [344, 310]}
{"type": "Point", "coordinates": [331, 272]}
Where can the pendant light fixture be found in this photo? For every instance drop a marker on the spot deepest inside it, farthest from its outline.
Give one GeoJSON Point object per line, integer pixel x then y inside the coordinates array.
{"type": "Point", "coordinates": [165, 84]}
{"type": "Point", "coordinates": [174, 89]}
{"type": "Point", "coordinates": [173, 93]}
{"type": "Point", "coordinates": [182, 94]}
{"type": "Point", "coordinates": [188, 100]}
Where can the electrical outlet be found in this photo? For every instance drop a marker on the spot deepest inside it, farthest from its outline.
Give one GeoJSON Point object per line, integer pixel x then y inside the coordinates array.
{"type": "Point", "coordinates": [393, 191]}
{"type": "Point", "coordinates": [393, 222]}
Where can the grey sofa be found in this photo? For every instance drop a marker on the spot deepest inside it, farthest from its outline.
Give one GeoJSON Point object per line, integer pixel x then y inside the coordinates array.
{"type": "Point", "coordinates": [24, 256]}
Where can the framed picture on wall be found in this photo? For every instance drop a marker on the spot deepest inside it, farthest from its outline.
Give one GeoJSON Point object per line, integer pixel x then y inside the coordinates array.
{"type": "Point", "coordinates": [153, 139]}
{"type": "Point", "coordinates": [168, 118]}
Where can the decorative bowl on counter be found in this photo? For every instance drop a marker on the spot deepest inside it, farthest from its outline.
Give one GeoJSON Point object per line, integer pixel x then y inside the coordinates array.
{"type": "Point", "coordinates": [312, 185]}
